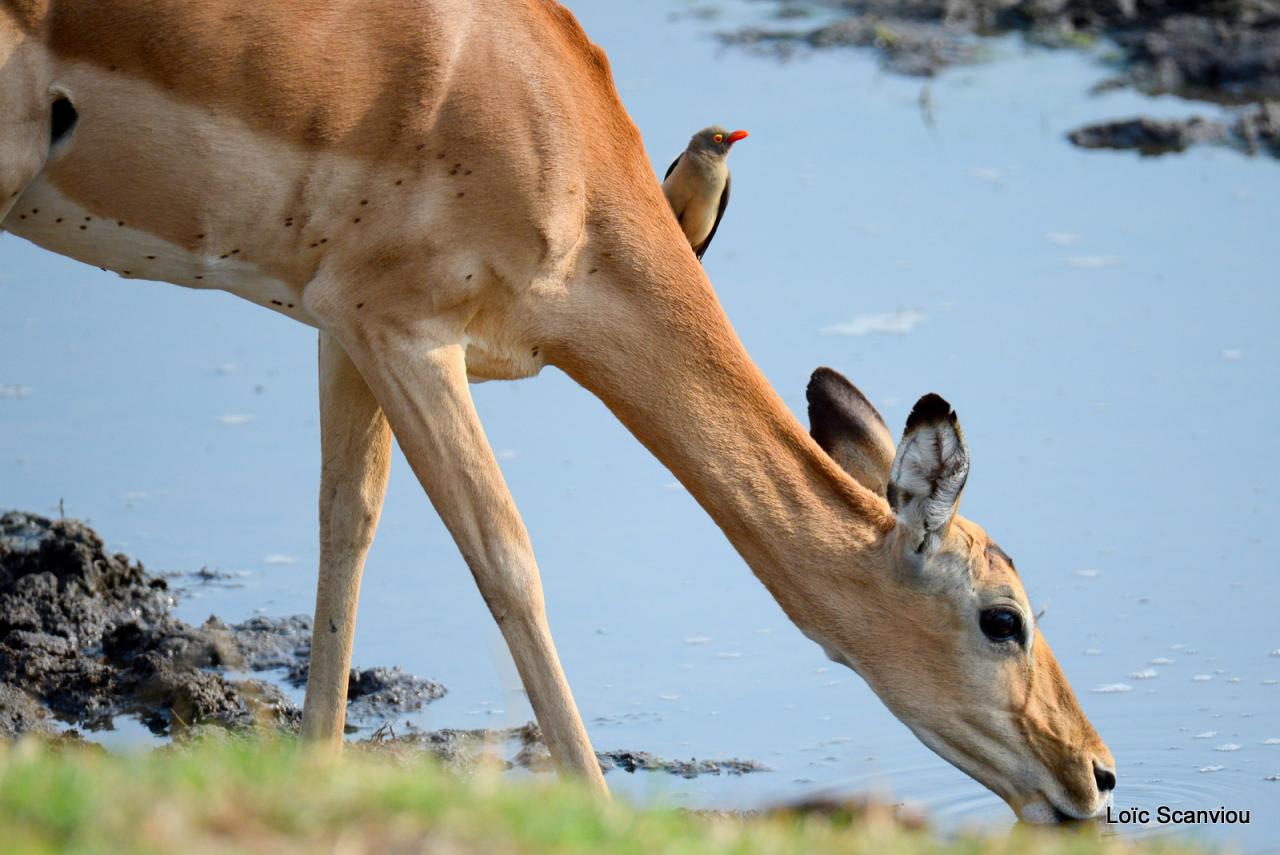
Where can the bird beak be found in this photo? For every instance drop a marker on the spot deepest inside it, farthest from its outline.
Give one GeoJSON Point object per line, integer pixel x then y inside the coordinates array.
{"type": "Point", "coordinates": [737, 135]}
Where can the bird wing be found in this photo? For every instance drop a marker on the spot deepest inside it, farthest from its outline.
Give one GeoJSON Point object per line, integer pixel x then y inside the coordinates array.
{"type": "Point", "coordinates": [724, 203]}
{"type": "Point", "coordinates": [672, 167]}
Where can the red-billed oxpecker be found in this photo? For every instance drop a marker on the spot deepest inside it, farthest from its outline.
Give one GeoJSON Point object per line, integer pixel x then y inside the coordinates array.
{"type": "Point", "coordinates": [697, 184]}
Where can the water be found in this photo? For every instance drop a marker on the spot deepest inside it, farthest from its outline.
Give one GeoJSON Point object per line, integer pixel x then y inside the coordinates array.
{"type": "Point", "coordinates": [1103, 323]}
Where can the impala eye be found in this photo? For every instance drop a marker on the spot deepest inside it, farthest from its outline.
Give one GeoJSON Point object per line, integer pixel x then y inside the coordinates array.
{"type": "Point", "coordinates": [1001, 624]}
{"type": "Point", "coordinates": [718, 138]}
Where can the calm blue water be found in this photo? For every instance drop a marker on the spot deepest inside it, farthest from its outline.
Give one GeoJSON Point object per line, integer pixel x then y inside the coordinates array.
{"type": "Point", "coordinates": [1104, 324]}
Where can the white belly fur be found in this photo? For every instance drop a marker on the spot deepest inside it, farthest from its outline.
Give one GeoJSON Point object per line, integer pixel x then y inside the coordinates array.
{"type": "Point", "coordinates": [49, 219]}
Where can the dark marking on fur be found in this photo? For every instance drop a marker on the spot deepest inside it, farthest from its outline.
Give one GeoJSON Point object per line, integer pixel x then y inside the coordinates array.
{"type": "Point", "coordinates": [62, 120]}
{"type": "Point", "coordinates": [332, 626]}
{"type": "Point", "coordinates": [151, 258]}
{"type": "Point", "coordinates": [994, 549]}
{"type": "Point", "coordinates": [276, 303]}
{"type": "Point", "coordinates": [359, 305]}
{"type": "Point", "coordinates": [930, 408]}
{"type": "Point", "coordinates": [461, 194]}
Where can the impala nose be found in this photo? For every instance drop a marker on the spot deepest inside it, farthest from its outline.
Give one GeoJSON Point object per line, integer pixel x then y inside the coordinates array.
{"type": "Point", "coordinates": [1105, 777]}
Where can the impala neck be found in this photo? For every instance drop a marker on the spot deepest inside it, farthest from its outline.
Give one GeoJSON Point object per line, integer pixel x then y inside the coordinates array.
{"type": "Point", "coordinates": [658, 350]}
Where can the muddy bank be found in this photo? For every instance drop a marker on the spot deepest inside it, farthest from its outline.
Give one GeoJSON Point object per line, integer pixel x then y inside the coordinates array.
{"type": "Point", "coordinates": [523, 748]}
{"type": "Point", "coordinates": [1253, 131]}
{"type": "Point", "coordinates": [1225, 52]}
{"type": "Point", "coordinates": [86, 636]}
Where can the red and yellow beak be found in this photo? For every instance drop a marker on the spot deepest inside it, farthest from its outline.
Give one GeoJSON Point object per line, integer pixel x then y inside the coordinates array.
{"type": "Point", "coordinates": [737, 135]}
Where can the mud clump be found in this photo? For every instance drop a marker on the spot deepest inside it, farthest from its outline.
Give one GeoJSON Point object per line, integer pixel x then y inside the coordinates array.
{"type": "Point", "coordinates": [1229, 48]}
{"type": "Point", "coordinates": [1226, 51]}
{"type": "Point", "coordinates": [1252, 131]}
{"type": "Point", "coordinates": [465, 750]}
{"type": "Point", "coordinates": [86, 636]}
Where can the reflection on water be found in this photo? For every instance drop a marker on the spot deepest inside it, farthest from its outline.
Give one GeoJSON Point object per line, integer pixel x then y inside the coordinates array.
{"type": "Point", "coordinates": [1103, 323]}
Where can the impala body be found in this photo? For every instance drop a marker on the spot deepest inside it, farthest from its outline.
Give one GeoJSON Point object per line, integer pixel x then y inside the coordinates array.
{"type": "Point", "coordinates": [424, 181]}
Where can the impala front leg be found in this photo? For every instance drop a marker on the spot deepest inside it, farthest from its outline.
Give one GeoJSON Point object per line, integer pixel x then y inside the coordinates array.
{"type": "Point", "coordinates": [355, 447]}
{"type": "Point", "coordinates": [417, 371]}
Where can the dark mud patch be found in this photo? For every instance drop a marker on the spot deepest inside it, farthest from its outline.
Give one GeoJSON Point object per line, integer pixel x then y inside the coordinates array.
{"type": "Point", "coordinates": [1254, 131]}
{"type": "Point", "coordinates": [1224, 50]}
{"type": "Point", "coordinates": [86, 636]}
{"type": "Point", "coordinates": [523, 748]}
{"type": "Point", "coordinates": [1227, 51]}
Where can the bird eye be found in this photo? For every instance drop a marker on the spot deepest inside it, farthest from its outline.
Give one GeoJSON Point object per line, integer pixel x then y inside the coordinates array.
{"type": "Point", "coordinates": [718, 138]}
{"type": "Point", "coordinates": [1001, 624]}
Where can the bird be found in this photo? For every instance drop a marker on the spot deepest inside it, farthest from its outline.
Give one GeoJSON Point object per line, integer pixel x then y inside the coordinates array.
{"type": "Point", "coordinates": [697, 185]}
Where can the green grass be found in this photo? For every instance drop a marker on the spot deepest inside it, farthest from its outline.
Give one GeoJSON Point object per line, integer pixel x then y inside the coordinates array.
{"type": "Point", "coordinates": [238, 796]}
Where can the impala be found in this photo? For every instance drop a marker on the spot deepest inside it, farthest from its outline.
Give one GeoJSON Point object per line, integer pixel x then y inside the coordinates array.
{"type": "Point", "coordinates": [451, 191]}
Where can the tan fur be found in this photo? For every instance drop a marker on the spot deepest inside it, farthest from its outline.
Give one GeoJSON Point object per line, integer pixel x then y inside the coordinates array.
{"type": "Point", "coordinates": [425, 181]}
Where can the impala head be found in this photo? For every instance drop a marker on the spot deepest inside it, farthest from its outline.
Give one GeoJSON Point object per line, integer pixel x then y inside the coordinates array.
{"type": "Point", "coordinates": [955, 651]}
{"type": "Point", "coordinates": [26, 99]}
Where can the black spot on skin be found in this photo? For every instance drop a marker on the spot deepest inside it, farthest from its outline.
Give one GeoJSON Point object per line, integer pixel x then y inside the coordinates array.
{"type": "Point", "coordinates": [88, 219]}
{"type": "Point", "coordinates": [332, 626]}
{"type": "Point", "coordinates": [466, 172]}
{"type": "Point", "coordinates": [58, 220]}
{"type": "Point", "coordinates": [359, 305]}
{"type": "Point", "coordinates": [120, 223]}
{"type": "Point", "coordinates": [356, 220]}
{"type": "Point", "coordinates": [151, 258]}
{"type": "Point", "coordinates": [276, 303]}
{"type": "Point", "coordinates": [82, 228]}
{"type": "Point", "coordinates": [62, 120]}
{"type": "Point", "coordinates": [314, 245]}
{"type": "Point", "coordinates": [35, 211]}
{"type": "Point", "coordinates": [125, 272]}
{"type": "Point", "coordinates": [364, 201]}
{"type": "Point", "coordinates": [324, 240]}
{"type": "Point", "coordinates": [535, 351]}
{"type": "Point", "coordinates": [593, 270]}
{"type": "Point", "coordinates": [399, 181]}
{"type": "Point", "coordinates": [289, 305]}
{"type": "Point", "coordinates": [199, 277]}
{"type": "Point", "coordinates": [199, 237]}
{"type": "Point", "coordinates": [453, 171]}
{"type": "Point", "coordinates": [440, 156]}
{"type": "Point", "coordinates": [461, 194]}
{"type": "Point", "coordinates": [469, 277]}
{"type": "Point", "coordinates": [235, 252]}
{"type": "Point", "coordinates": [288, 223]}
{"type": "Point", "coordinates": [225, 255]}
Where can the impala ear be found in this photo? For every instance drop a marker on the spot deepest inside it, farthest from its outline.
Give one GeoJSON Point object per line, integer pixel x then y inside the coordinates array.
{"type": "Point", "coordinates": [849, 429]}
{"type": "Point", "coordinates": [928, 473]}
